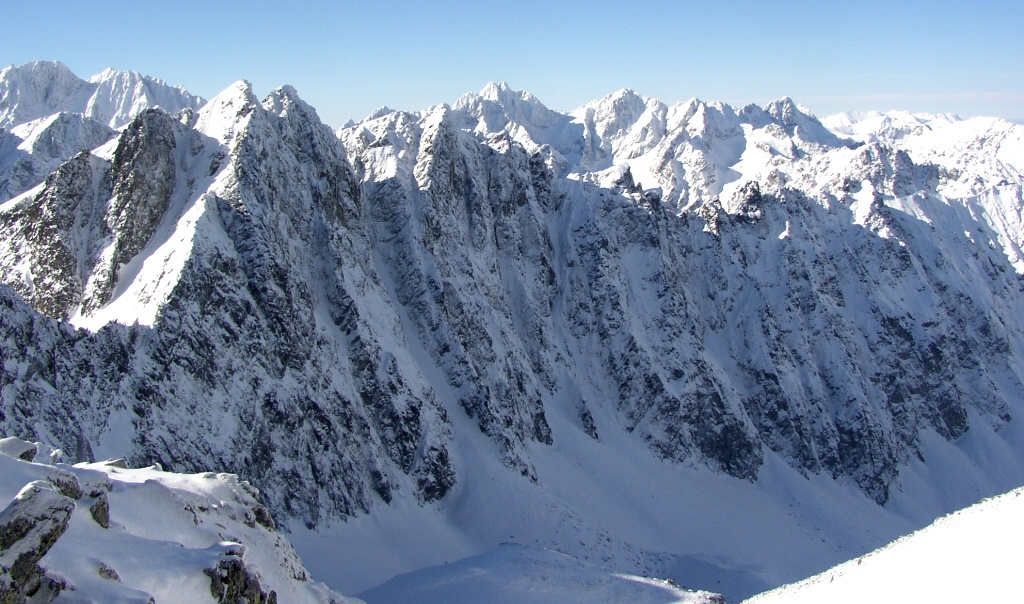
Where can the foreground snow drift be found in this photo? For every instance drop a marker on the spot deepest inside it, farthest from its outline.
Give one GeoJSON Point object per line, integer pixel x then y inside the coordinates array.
{"type": "Point", "coordinates": [969, 556]}
{"type": "Point", "coordinates": [103, 533]}
{"type": "Point", "coordinates": [518, 575]}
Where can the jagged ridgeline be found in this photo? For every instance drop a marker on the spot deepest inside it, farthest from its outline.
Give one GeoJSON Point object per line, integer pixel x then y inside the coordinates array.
{"type": "Point", "coordinates": [325, 313]}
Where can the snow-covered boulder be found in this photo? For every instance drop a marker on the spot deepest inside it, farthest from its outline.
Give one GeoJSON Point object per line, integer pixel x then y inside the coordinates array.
{"type": "Point", "coordinates": [29, 526]}
{"type": "Point", "coordinates": [13, 446]}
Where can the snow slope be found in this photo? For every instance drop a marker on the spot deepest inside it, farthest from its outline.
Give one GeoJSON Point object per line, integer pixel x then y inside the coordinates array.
{"type": "Point", "coordinates": [968, 556]}
{"type": "Point", "coordinates": [516, 574]}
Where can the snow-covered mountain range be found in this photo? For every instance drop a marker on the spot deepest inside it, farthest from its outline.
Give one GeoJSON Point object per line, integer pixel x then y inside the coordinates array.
{"type": "Point", "coordinates": [48, 114]}
{"type": "Point", "coordinates": [43, 88]}
{"type": "Point", "coordinates": [728, 347]}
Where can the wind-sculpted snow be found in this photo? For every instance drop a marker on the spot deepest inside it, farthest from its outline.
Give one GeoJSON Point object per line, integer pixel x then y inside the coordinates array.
{"type": "Point", "coordinates": [373, 317]}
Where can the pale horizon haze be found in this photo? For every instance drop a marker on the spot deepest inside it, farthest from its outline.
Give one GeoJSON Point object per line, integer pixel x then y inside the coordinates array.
{"type": "Point", "coordinates": [349, 58]}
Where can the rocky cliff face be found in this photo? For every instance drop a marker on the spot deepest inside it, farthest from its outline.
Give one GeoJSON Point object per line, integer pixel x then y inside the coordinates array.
{"type": "Point", "coordinates": [776, 318]}
{"type": "Point", "coordinates": [302, 368]}
{"type": "Point", "coordinates": [326, 315]}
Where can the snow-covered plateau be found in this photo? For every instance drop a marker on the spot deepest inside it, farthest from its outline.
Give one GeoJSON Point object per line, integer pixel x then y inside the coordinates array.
{"type": "Point", "coordinates": [721, 348]}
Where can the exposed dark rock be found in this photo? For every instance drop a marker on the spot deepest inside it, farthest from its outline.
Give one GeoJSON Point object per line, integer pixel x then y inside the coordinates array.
{"type": "Point", "coordinates": [100, 510]}
{"type": "Point", "coordinates": [29, 527]}
{"type": "Point", "coordinates": [231, 583]}
{"type": "Point", "coordinates": [108, 572]}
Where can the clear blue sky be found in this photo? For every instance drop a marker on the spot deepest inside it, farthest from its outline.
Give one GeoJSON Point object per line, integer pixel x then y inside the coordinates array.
{"type": "Point", "coordinates": [349, 58]}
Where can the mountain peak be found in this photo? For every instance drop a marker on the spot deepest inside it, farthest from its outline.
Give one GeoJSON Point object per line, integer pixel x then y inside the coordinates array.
{"type": "Point", "coordinates": [495, 91]}
{"type": "Point", "coordinates": [39, 68]}
{"type": "Point", "coordinates": [618, 110]}
{"type": "Point", "coordinates": [629, 93]}
{"type": "Point", "coordinates": [785, 110]}
{"type": "Point", "coordinates": [38, 89]}
{"type": "Point", "coordinates": [380, 112]}
{"type": "Point", "coordinates": [289, 91]}
{"type": "Point", "coordinates": [620, 98]}
{"type": "Point", "coordinates": [107, 74]}
{"type": "Point", "coordinates": [624, 101]}
{"type": "Point", "coordinates": [218, 116]}
{"type": "Point", "coordinates": [497, 108]}
{"type": "Point", "coordinates": [801, 124]}
{"type": "Point", "coordinates": [278, 100]}
{"type": "Point", "coordinates": [284, 100]}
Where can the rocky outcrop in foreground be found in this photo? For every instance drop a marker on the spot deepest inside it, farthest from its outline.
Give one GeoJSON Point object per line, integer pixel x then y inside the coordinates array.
{"type": "Point", "coordinates": [111, 534]}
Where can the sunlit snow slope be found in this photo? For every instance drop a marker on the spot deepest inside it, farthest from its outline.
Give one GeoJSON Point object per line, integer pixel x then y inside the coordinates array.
{"type": "Point", "coordinates": [970, 556]}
